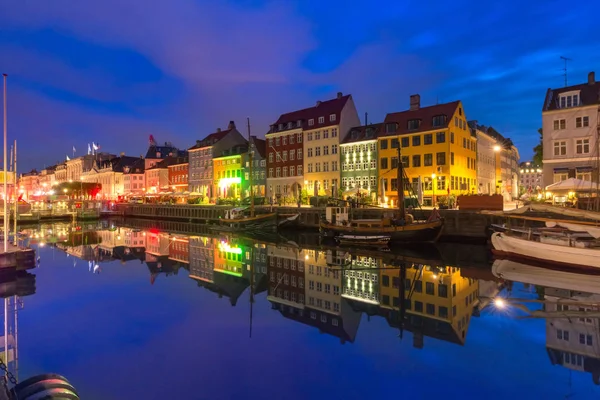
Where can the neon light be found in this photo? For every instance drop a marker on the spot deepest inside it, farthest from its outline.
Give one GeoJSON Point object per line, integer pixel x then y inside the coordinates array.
{"type": "Point", "coordinates": [224, 182]}
{"type": "Point", "coordinates": [223, 246]}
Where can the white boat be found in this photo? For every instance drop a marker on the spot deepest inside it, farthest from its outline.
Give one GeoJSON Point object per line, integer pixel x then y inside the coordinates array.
{"type": "Point", "coordinates": [554, 278]}
{"type": "Point", "coordinates": [568, 251]}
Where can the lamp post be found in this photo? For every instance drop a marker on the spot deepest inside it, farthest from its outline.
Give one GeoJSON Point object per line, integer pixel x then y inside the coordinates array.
{"type": "Point", "coordinates": [433, 176]}
{"type": "Point", "coordinates": [496, 150]}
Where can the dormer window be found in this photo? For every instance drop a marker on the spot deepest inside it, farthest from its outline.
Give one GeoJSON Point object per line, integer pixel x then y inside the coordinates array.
{"type": "Point", "coordinates": [332, 118]}
{"type": "Point", "coordinates": [414, 124]}
{"type": "Point", "coordinates": [439, 120]}
{"type": "Point", "coordinates": [321, 120]}
{"type": "Point", "coordinates": [280, 127]}
{"type": "Point", "coordinates": [354, 134]}
{"type": "Point", "coordinates": [289, 125]}
{"type": "Point", "coordinates": [390, 128]}
{"type": "Point", "coordinates": [311, 122]}
{"type": "Point", "coordinates": [299, 123]}
{"type": "Point", "coordinates": [568, 100]}
{"type": "Point", "coordinates": [369, 133]}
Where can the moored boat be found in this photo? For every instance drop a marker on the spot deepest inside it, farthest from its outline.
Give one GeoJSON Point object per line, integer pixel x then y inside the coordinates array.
{"type": "Point", "coordinates": [568, 251]}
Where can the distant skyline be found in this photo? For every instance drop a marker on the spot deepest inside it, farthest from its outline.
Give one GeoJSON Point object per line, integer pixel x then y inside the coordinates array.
{"type": "Point", "coordinates": [116, 71]}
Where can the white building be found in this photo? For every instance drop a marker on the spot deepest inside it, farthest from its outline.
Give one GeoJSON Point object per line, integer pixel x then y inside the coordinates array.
{"type": "Point", "coordinates": [570, 132]}
{"type": "Point", "coordinates": [486, 162]}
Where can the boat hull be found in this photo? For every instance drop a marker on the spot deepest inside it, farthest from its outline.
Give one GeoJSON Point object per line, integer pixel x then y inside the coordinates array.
{"type": "Point", "coordinates": [417, 232]}
{"type": "Point", "coordinates": [575, 257]}
{"type": "Point", "coordinates": [263, 222]}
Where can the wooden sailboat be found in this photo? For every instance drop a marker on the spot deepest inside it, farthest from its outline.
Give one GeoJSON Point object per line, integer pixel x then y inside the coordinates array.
{"type": "Point", "coordinates": [243, 219]}
{"type": "Point", "coordinates": [403, 229]}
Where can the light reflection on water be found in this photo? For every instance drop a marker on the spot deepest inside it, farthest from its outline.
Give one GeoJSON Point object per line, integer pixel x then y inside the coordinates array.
{"type": "Point", "coordinates": [139, 312]}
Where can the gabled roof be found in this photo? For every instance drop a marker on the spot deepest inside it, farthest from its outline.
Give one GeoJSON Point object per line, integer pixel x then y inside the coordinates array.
{"type": "Point", "coordinates": [165, 163]}
{"type": "Point", "coordinates": [261, 146]}
{"type": "Point", "coordinates": [589, 94]}
{"type": "Point", "coordinates": [213, 137]}
{"type": "Point", "coordinates": [424, 114]}
{"type": "Point", "coordinates": [491, 132]}
{"type": "Point", "coordinates": [362, 133]}
{"type": "Point", "coordinates": [234, 151]}
{"type": "Point", "coordinates": [120, 163]}
{"type": "Point", "coordinates": [300, 118]}
{"type": "Point", "coordinates": [135, 167]}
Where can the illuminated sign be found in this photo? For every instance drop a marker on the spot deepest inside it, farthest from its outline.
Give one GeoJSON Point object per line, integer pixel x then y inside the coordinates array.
{"type": "Point", "coordinates": [223, 246]}
{"type": "Point", "coordinates": [229, 181]}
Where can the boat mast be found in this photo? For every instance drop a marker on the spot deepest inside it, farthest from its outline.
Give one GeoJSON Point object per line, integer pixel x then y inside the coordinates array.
{"type": "Point", "coordinates": [402, 290]}
{"type": "Point", "coordinates": [251, 285]}
{"type": "Point", "coordinates": [400, 184]}
{"type": "Point", "coordinates": [5, 176]}
{"type": "Point", "coordinates": [16, 194]}
{"type": "Point", "coordinates": [597, 150]}
{"type": "Point", "coordinates": [250, 171]}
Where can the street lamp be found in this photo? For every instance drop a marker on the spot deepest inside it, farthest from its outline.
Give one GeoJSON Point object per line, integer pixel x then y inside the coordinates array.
{"type": "Point", "coordinates": [433, 176]}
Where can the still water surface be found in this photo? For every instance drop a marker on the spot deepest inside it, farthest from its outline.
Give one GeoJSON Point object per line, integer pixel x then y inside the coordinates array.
{"type": "Point", "coordinates": [136, 313]}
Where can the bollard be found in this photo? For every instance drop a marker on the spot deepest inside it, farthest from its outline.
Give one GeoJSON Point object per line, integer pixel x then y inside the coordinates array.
{"type": "Point", "coordinates": [46, 386]}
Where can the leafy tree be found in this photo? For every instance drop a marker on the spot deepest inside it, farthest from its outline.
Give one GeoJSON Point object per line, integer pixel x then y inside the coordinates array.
{"type": "Point", "coordinates": [538, 151]}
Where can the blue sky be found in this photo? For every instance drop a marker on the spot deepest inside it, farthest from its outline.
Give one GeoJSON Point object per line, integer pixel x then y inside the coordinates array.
{"type": "Point", "coordinates": [116, 71]}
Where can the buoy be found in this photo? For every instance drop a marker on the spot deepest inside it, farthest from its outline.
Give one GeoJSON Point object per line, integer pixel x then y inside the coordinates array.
{"type": "Point", "coordinates": [46, 386]}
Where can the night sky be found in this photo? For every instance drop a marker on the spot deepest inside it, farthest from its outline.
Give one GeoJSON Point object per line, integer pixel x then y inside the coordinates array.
{"type": "Point", "coordinates": [116, 71]}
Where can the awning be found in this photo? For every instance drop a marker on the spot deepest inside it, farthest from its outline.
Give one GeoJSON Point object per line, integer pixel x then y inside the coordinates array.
{"type": "Point", "coordinates": [572, 184]}
{"type": "Point", "coordinates": [561, 169]}
{"type": "Point", "coordinates": [585, 169]}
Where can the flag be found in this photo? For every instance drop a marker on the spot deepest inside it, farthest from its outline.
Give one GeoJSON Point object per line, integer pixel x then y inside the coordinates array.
{"type": "Point", "coordinates": [68, 158]}
{"type": "Point", "coordinates": [89, 149]}
{"type": "Point", "coordinates": [95, 146]}
{"type": "Point", "coordinates": [73, 149]}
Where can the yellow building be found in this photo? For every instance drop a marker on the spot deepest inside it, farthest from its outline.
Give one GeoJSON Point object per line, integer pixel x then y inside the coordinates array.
{"type": "Point", "coordinates": [438, 301]}
{"type": "Point", "coordinates": [228, 174]}
{"type": "Point", "coordinates": [436, 148]}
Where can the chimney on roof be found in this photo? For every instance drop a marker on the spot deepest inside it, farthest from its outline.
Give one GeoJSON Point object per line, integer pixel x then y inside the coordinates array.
{"type": "Point", "coordinates": [318, 103]}
{"type": "Point", "coordinates": [591, 78]}
{"type": "Point", "coordinates": [231, 125]}
{"type": "Point", "coordinates": [415, 102]}
{"type": "Point", "coordinates": [122, 154]}
{"type": "Point", "coordinates": [218, 129]}
{"type": "Point", "coordinates": [339, 95]}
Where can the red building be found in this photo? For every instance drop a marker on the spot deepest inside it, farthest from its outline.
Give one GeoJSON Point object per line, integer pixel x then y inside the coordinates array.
{"type": "Point", "coordinates": [178, 175]}
{"type": "Point", "coordinates": [285, 269]}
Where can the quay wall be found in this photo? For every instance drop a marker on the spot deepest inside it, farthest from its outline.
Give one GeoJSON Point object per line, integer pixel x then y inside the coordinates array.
{"type": "Point", "coordinates": [458, 224]}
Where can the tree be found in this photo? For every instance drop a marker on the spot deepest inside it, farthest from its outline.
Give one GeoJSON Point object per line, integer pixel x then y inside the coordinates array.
{"type": "Point", "coordinates": [538, 151]}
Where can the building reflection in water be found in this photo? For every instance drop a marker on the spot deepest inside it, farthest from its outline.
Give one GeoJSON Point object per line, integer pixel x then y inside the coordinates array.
{"type": "Point", "coordinates": [328, 289]}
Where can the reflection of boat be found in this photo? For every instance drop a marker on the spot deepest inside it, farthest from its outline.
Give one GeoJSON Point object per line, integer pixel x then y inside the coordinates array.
{"type": "Point", "coordinates": [369, 241]}
{"type": "Point", "coordinates": [289, 222]}
{"type": "Point", "coordinates": [568, 250]}
{"type": "Point", "coordinates": [539, 275]}
{"type": "Point", "coordinates": [402, 227]}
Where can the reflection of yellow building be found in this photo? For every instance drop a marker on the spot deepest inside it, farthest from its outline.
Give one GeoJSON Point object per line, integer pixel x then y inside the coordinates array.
{"type": "Point", "coordinates": [438, 301]}
{"type": "Point", "coordinates": [436, 146]}
{"type": "Point", "coordinates": [228, 176]}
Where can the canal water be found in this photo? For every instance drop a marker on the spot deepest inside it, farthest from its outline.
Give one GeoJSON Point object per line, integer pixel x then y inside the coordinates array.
{"type": "Point", "coordinates": [146, 313]}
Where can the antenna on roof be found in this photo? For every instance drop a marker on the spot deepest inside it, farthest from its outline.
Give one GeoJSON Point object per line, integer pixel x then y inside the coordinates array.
{"type": "Point", "coordinates": [565, 59]}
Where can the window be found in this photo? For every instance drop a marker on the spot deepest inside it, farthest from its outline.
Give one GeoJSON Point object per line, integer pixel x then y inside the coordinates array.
{"type": "Point", "coordinates": [384, 163]}
{"type": "Point", "coordinates": [451, 158]}
{"type": "Point", "coordinates": [440, 137]}
{"type": "Point", "coordinates": [325, 150]}
{"type": "Point", "coordinates": [439, 120]}
{"type": "Point", "coordinates": [428, 160]}
{"type": "Point", "coordinates": [443, 290]}
{"type": "Point", "coordinates": [318, 135]}
{"type": "Point", "coordinates": [311, 122]}
{"type": "Point", "coordinates": [451, 137]}
{"type": "Point", "coordinates": [299, 154]}
{"type": "Point", "coordinates": [443, 312]}
{"type": "Point", "coordinates": [413, 124]}
{"type": "Point", "coordinates": [560, 124]}
{"type": "Point", "coordinates": [321, 120]}
{"type": "Point", "coordinates": [383, 144]}
{"type": "Point", "coordinates": [405, 161]}
{"type": "Point", "coordinates": [440, 158]}
{"type": "Point", "coordinates": [292, 171]}
{"type": "Point", "coordinates": [428, 139]}
{"type": "Point", "coordinates": [441, 183]}
{"type": "Point", "coordinates": [582, 146]}
{"type": "Point", "coordinates": [385, 280]}
{"type": "Point", "coordinates": [430, 288]}
{"type": "Point", "coordinates": [385, 299]}
{"type": "Point", "coordinates": [405, 142]}
{"type": "Point", "coordinates": [394, 162]}
{"type": "Point", "coordinates": [334, 149]}
{"type": "Point", "coordinates": [292, 139]}
{"type": "Point", "coordinates": [416, 140]}
{"type": "Point", "coordinates": [418, 306]}
{"type": "Point", "coordinates": [299, 138]}
{"type": "Point", "coordinates": [560, 148]}
{"type": "Point", "coordinates": [309, 153]}
{"type": "Point", "coordinates": [430, 309]}
{"type": "Point", "coordinates": [317, 151]}
{"type": "Point", "coordinates": [416, 161]}
{"type": "Point", "coordinates": [394, 143]}
{"type": "Point", "coordinates": [332, 118]}
{"type": "Point", "coordinates": [419, 286]}
{"type": "Point", "coordinates": [284, 156]}
{"type": "Point", "coordinates": [292, 154]}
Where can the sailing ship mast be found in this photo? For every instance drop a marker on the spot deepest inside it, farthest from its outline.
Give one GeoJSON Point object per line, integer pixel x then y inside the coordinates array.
{"type": "Point", "coordinates": [400, 185]}
{"type": "Point", "coordinates": [250, 170]}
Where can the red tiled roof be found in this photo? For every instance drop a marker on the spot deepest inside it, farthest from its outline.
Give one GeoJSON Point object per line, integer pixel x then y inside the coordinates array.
{"type": "Point", "coordinates": [261, 146]}
{"type": "Point", "coordinates": [322, 109]}
{"type": "Point", "coordinates": [211, 139]}
{"type": "Point", "coordinates": [359, 133]}
{"type": "Point", "coordinates": [425, 114]}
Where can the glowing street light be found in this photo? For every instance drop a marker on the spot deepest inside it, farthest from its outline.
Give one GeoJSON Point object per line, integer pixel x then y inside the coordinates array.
{"type": "Point", "coordinates": [499, 303]}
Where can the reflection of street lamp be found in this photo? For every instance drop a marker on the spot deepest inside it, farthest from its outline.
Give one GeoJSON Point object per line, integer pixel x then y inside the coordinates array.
{"type": "Point", "coordinates": [496, 150]}
{"type": "Point", "coordinates": [433, 176]}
